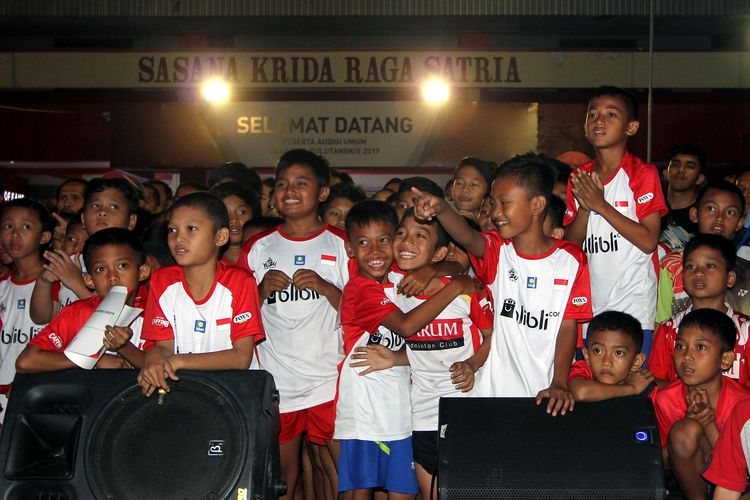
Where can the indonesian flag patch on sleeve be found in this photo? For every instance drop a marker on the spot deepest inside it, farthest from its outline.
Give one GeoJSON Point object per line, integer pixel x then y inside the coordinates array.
{"type": "Point", "coordinates": [328, 260]}
{"type": "Point", "coordinates": [560, 284]}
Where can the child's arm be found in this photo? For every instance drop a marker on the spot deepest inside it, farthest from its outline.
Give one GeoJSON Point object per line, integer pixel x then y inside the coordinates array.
{"type": "Point", "coordinates": [69, 273]}
{"type": "Point", "coordinates": [721, 493]}
{"type": "Point", "coordinates": [560, 398]}
{"type": "Point", "coordinates": [426, 206]}
{"type": "Point", "coordinates": [378, 357]}
{"type": "Point", "coordinates": [273, 281]}
{"type": "Point", "coordinates": [236, 358]}
{"type": "Point", "coordinates": [305, 279]}
{"type": "Point", "coordinates": [415, 282]}
{"type": "Point", "coordinates": [157, 368]}
{"type": "Point", "coordinates": [117, 339]}
{"type": "Point", "coordinates": [407, 324]}
{"type": "Point", "coordinates": [589, 192]}
{"type": "Point", "coordinates": [43, 306]}
{"type": "Point", "coordinates": [593, 390]}
{"type": "Point", "coordinates": [462, 372]}
{"type": "Point", "coordinates": [34, 359]}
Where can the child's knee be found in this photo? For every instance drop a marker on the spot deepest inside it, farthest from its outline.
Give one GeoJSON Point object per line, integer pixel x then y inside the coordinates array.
{"type": "Point", "coordinates": [685, 437]}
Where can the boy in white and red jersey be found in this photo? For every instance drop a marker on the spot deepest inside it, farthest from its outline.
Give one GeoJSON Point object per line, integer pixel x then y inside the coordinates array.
{"type": "Point", "coordinates": [708, 273]}
{"type": "Point", "coordinates": [727, 467]}
{"type": "Point", "coordinates": [373, 413]}
{"type": "Point", "coordinates": [614, 209]}
{"type": "Point", "coordinates": [113, 257]}
{"type": "Point", "coordinates": [201, 314]}
{"type": "Point", "coordinates": [301, 268]}
{"type": "Point", "coordinates": [692, 411]}
{"type": "Point", "coordinates": [25, 226]}
{"type": "Point", "coordinates": [540, 286]}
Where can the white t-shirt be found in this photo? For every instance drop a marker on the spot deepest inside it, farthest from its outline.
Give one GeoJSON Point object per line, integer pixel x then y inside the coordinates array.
{"type": "Point", "coordinates": [303, 345]}
{"type": "Point", "coordinates": [531, 297]}
{"type": "Point", "coordinates": [623, 278]}
{"type": "Point", "coordinates": [229, 311]}
{"type": "Point", "coordinates": [377, 406]}
{"type": "Point", "coordinates": [452, 336]}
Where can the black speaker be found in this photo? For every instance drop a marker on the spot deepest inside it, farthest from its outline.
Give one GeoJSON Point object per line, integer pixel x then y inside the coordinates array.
{"type": "Point", "coordinates": [511, 448]}
{"type": "Point", "coordinates": [80, 434]}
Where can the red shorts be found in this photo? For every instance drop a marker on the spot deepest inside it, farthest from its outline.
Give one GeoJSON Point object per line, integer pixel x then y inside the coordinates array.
{"type": "Point", "coordinates": [317, 421]}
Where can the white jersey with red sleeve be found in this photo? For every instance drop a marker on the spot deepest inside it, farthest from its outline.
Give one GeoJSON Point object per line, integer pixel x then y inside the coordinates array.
{"type": "Point", "coordinates": [376, 406]}
{"type": "Point", "coordinates": [303, 345]}
{"type": "Point", "coordinates": [16, 327]}
{"type": "Point", "coordinates": [730, 457]}
{"type": "Point", "coordinates": [623, 278]}
{"type": "Point", "coordinates": [532, 295]}
{"type": "Point", "coordinates": [227, 313]}
{"type": "Point", "coordinates": [661, 360]}
{"type": "Point", "coordinates": [452, 336]}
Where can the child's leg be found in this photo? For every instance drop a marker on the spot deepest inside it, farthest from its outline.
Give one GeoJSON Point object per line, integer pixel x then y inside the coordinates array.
{"type": "Point", "coordinates": [424, 444]}
{"type": "Point", "coordinates": [329, 456]}
{"type": "Point", "coordinates": [290, 464]}
{"type": "Point", "coordinates": [424, 479]}
{"type": "Point", "coordinates": [306, 476]}
{"type": "Point", "coordinates": [688, 449]}
{"type": "Point", "coordinates": [363, 494]}
{"type": "Point", "coordinates": [318, 474]}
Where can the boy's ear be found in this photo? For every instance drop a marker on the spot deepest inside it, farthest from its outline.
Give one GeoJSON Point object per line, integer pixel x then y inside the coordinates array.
{"type": "Point", "coordinates": [45, 237]}
{"type": "Point", "coordinates": [700, 180]}
{"type": "Point", "coordinates": [731, 279]}
{"type": "Point", "coordinates": [537, 204]}
{"type": "Point", "coordinates": [88, 281]}
{"type": "Point", "coordinates": [222, 237]}
{"type": "Point", "coordinates": [632, 127]}
{"type": "Point", "coordinates": [132, 220]}
{"type": "Point", "coordinates": [727, 360]}
{"type": "Point", "coordinates": [638, 361]}
{"type": "Point", "coordinates": [324, 192]}
{"type": "Point", "coordinates": [585, 354]}
{"type": "Point", "coordinates": [348, 249]}
{"type": "Point", "coordinates": [693, 214]}
{"type": "Point", "coordinates": [558, 233]}
{"type": "Point", "coordinates": [440, 254]}
{"type": "Point", "coordinates": [740, 224]}
{"type": "Point", "coordinates": [144, 271]}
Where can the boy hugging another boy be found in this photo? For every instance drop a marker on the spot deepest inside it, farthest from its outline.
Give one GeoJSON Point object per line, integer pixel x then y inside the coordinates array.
{"type": "Point", "coordinates": [692, 411]}
{"type": "Point", "coordinates": [113, 257]}
{"type": "Point", "coordinates": [373, 412]}
{"type": "Point", "coordinates": [540, 285]}
{"type": "Point", "coordinates": [201, 314]}
{"type": "Point", "coordinates": [614, 209]}
{"type": "Point", "coordinates": [613, 360]}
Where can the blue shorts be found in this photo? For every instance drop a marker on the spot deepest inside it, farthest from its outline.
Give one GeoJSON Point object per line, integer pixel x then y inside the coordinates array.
{"type": "Point", "coordinates": [377, 464]}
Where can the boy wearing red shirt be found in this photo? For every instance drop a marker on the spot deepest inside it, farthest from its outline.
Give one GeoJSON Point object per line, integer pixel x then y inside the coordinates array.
{"type": "Point", "coordinates": [727, 468]}
{"type": "Point", "coordinates": [692, 411]}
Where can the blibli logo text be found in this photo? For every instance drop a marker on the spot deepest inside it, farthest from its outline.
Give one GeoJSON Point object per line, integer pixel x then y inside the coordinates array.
{"type": "Point", "coordinates": [292, 294]}
{"type": "Point", "coordinates": [525, 318]}
{"type": "Point", "coordinates": [599, 244]}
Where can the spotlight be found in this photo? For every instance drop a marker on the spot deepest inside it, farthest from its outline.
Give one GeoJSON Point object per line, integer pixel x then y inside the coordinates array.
{"type": "Point", "coordinates": [216, 91]}
{"type": "Point", "coordinates": [436, 91]}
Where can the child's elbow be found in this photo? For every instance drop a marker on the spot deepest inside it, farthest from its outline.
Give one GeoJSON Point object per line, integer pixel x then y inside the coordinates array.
{"type": "Point", "coordinates": [24, 363]}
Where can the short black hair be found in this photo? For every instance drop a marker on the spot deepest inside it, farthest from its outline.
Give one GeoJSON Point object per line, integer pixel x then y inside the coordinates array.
{"type": "Point", "coordinates": [269, 181]}
{"type": "Point", "coordinates": [319, 165]}
{"type": "Point", "coordinates": [562, 169]}
{"type": "Point", "coordinates": [619, 322]}
{"type": "Point", "coordinates": [157, 194]}
{"type": "Point", "coordinates": [442, 236]}
{"type": "Point", "coordinates": [247, 195]}
{"type": "Point", "coordinates": [397, 180]}
{"type": "Point", "coordinates": [721, 185]}
{"type": "Point", "coordinates": [486, 168]}
{"type": "Point", "coordinates": [368, 212]}
{"type": "Point", "coordinates": [113, 236]}
{"type": "Point", "coordinates": [211, 205]}
{"type": "Point", "coordinates": [353, 193]}
{"type": "Point", "coordinates": [46, 220]}
{"type": "Point", "coordinates": [155, 243]}
{"type": "Point", "coordinates": [714, 241]}
{"type": "Point", "coordinates": [342, 176]}
{"type": "Point", "coordinates": [556, 211]}
{"type": "Point", "coordinates": [84, 182]}
{"type": "Point", "coordinates": [263, 223]}
{"type": "Point", "coordinates": [74, 221]}
{"type": "Point", "coordinates": [131, 193]}
{"type": "Point", "coordinates": [195, 185]}
{"type": "Point", "coordinates": [238, 172]}
{"type": "Point", "coordinates": [631, 104]}
{"type": "Point", "coordinates": [715, 322]}
{"type": "Point", "coordinates": [423, 184]}
{"type": "Point", "coordinates": [688, 149]}
{"type": "Point", "coordinates": [534, 172]}
{"type": "Point", "coordinates": [167, 188]}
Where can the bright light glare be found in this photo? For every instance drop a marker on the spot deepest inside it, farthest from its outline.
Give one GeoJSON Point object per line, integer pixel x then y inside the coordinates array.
{"type": "Point", "coordinates": [436, 91]}
{"type": "Point", "coordinates": [215, 91]}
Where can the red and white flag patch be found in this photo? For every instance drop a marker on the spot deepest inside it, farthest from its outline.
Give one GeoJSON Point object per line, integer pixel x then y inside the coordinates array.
{"type": "Point", "coordinates": [328, 260]}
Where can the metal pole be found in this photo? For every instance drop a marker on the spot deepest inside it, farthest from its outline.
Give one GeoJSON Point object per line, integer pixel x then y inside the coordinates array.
{"type": "Point", "coordinates": [650, 77]}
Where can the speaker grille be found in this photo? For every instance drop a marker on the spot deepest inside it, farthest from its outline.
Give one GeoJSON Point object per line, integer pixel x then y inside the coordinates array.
{"type": "Point", "coordinates": [194, 425]}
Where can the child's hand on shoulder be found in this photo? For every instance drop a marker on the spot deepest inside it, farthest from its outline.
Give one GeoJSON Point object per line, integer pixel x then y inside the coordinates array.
{"type": "Point", "coordinates": [468, 284]}
{"type": "Point", "coordinates": [416, 281]}
{"type": "Point", "coordinates": [273, 281]}
{"type": "Point", "coordinates": [375, 357]}
{"type": "Point", "coordinates": [462, 376]}
{"type": "Point", "coordinates": [117, 337]}
{"type": "Point", "coordinates": [640, 380]}
{"type": "Point", "coordinates": [588, 190]}
{"type": "Point", "coordinates": [560, 399]}
{"type": "Point", "coordinates": [427, 205]}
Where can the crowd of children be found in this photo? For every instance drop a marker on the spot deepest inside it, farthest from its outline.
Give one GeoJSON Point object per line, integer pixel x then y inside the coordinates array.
{"type": "Point", "coordinates": [528, 279]}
